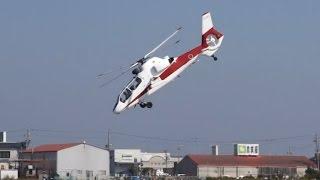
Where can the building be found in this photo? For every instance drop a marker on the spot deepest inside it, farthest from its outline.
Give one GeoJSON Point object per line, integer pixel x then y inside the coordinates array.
{"type": "Point", "coordinates": [157, 163]}
{"type": "Point", "coordinates": [72, 160]}
{"type": "Point", "coordinates": [9, 156]}
{"type": "Point", "coordinates": [131, 162]}
{"type": "Point", "coordinates": [241, 166]}
{"type": "Point", "coordinates": [125, 162]}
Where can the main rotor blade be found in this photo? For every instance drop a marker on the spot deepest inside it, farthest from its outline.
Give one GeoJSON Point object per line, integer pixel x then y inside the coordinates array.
{"type": "Point", "coordinates": [156, 48]}
{"type": "Point", "coordinates": [115, 78]}
{"type": "Point", "coordinates": [133, 65]}
{"type": "Point", "coordinates": [103, 75]}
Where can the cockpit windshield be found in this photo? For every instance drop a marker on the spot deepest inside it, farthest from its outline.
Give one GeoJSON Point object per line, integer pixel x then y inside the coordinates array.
{"type": "Point", "coordinates": [126, 93]}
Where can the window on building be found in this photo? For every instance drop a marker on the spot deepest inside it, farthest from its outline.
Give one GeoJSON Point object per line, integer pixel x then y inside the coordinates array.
{"type": "Point", "coordinates": [30, 171]}
{"type": "Point", "coordinates": [102, 172]}
{"type": "Point", "coordinates": [89, 173]}
{"type": "Point", "coordinates": [251, 149]}
{"type": "Point", "coordinates": [256, 149]}
{"type": "Point", "coordinates": [4, 154]}
{"type": "Point", "coordinates": [2, 167]}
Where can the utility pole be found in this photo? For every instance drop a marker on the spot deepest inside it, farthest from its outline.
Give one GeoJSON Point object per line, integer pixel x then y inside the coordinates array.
{"type": "Point", "coordinates": [28, 138]}
{"type": "Point", "coordinates": [289, 151]}
{"type": "Point", "coordinates": [165, 151]}
{"type": "Point", "coordinates": [316, 140]}
{"type": "Point", "coordinates": [108, 140]}
{"type": "Point", "coordinates": [179, 153]}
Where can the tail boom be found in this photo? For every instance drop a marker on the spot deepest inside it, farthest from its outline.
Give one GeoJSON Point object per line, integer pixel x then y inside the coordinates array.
{"type": "Point", "coordinates": [211, 41]}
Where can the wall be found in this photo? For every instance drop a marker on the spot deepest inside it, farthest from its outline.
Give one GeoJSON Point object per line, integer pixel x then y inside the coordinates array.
{"type": "Point", "coordinates": [43, 162]}
{"type": "Point", "coordinates": [206, 171]}
{"type": "Point", "coordinates": [8, 163]}
{"type": "Point", "coordinates": [247, 171]}
{"type": "Point", "coordinates": [156, 160]}
{"type": "Point", "coordinates": [83, 160]}
{"type": "Point", "coordinates": [9, 173]}
{"type": "Point", "coordinates": [230, 171]}
{"type": "Point", "coordinates": [301, 171]}
{"type": "Point", "coordinates": [4, 165]}
{"type": "Point", "coordinates": [187, 167]}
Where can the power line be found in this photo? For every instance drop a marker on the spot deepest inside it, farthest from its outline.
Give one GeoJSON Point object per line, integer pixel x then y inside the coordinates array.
{"type": "Point", "coordinates": [75, 134]}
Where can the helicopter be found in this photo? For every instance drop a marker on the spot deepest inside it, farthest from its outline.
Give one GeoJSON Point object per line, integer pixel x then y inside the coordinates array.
{"type": "Point", "coordinates": [152, 73]}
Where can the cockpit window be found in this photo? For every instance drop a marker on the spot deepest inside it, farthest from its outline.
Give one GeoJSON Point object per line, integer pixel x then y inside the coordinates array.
{"type": "Point", "coordinates": [125, 95]}
{"type": "Point", "coordinates": [134, 84]}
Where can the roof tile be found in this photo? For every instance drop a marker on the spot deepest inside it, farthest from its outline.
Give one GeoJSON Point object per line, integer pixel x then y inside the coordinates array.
{"type": "Point", "coordinates": [50, 147]}
{"type": "Point", "coordinates": [261, 161]}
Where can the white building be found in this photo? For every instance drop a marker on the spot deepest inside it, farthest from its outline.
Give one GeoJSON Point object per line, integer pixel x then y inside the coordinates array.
{"type": "Point", "coordinates": [76, 160]}
{"type": "Point", "coordinates": [129, 162]}
{"type": "Point", "coordinates": [9, 152]}
{"type": "Point", "coordinates": [157, 161]}
{"type": "Point", "coordinates": [125, 162]}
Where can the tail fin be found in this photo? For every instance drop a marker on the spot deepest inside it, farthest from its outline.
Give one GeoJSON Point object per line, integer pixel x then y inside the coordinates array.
{"type": "Point", "coordinates": [211, 38]}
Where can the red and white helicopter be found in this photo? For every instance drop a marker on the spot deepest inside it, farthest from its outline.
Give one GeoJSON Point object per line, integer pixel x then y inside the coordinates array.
{"type": "Point", "coordinates": [152, 73]}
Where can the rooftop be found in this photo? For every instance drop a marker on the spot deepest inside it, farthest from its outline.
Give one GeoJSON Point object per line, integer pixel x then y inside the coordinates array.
{"type": "Point", "coordinates": [257, 161]}
{"type": "Point", "coordinates": [50, 147]}
{"type": "Point", "coordinates": [13, 145]}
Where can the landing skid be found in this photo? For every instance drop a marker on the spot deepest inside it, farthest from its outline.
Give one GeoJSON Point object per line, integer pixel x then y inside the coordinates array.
{"type": "Point", "coordinates": [145, 104]}
{"type": "Point", "coordinates": [214, 57]}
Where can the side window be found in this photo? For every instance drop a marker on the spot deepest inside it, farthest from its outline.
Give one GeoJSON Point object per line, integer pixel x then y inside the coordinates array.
{"type": "Point", "coordinates": [122, 97]}
{"type": "Point", "coordinates": [132, 86]}
{"type": "Point", "coordinates": [135, 83]}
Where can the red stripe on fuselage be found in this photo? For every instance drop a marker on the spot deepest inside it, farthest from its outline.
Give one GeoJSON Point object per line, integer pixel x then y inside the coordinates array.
{"type": "Point", "coordinates": [140, 95]}
{"type": "Point", "coordinates": [181, 60]}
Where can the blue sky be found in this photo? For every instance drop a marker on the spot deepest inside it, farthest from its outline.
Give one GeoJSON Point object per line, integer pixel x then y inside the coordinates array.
{"type": "Point", "coordinates": [265, 84]}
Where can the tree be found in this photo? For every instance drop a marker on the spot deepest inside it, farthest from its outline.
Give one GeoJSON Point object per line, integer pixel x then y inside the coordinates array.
{"type": "Point", "coordinates": [312, 174]}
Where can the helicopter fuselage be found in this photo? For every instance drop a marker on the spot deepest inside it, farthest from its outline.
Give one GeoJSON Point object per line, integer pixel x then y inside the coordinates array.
{"type": "Point", "coordinates": [155, 73]}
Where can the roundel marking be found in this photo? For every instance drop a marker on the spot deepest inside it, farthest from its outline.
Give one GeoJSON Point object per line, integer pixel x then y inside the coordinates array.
{"type": "Point", "coordinates": [211, 40]}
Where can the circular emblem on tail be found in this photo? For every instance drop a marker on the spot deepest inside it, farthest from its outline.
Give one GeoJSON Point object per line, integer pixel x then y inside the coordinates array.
{"type": "Point", "coordinates": [211, 40]}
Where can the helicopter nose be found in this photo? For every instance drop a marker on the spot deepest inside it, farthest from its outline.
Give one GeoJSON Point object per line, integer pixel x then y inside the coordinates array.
{"type": "Point", "coordinates": [118, 108]}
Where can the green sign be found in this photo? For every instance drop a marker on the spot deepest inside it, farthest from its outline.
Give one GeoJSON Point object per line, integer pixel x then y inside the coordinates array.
{"type": "Point", "coordinates": [242, 149]}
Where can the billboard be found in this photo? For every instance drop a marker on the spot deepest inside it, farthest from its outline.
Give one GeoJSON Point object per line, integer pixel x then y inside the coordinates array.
{"type": "Point", "coordinates": [246, 149]}
{"type": "Point", "coordinates": [127, 155]}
